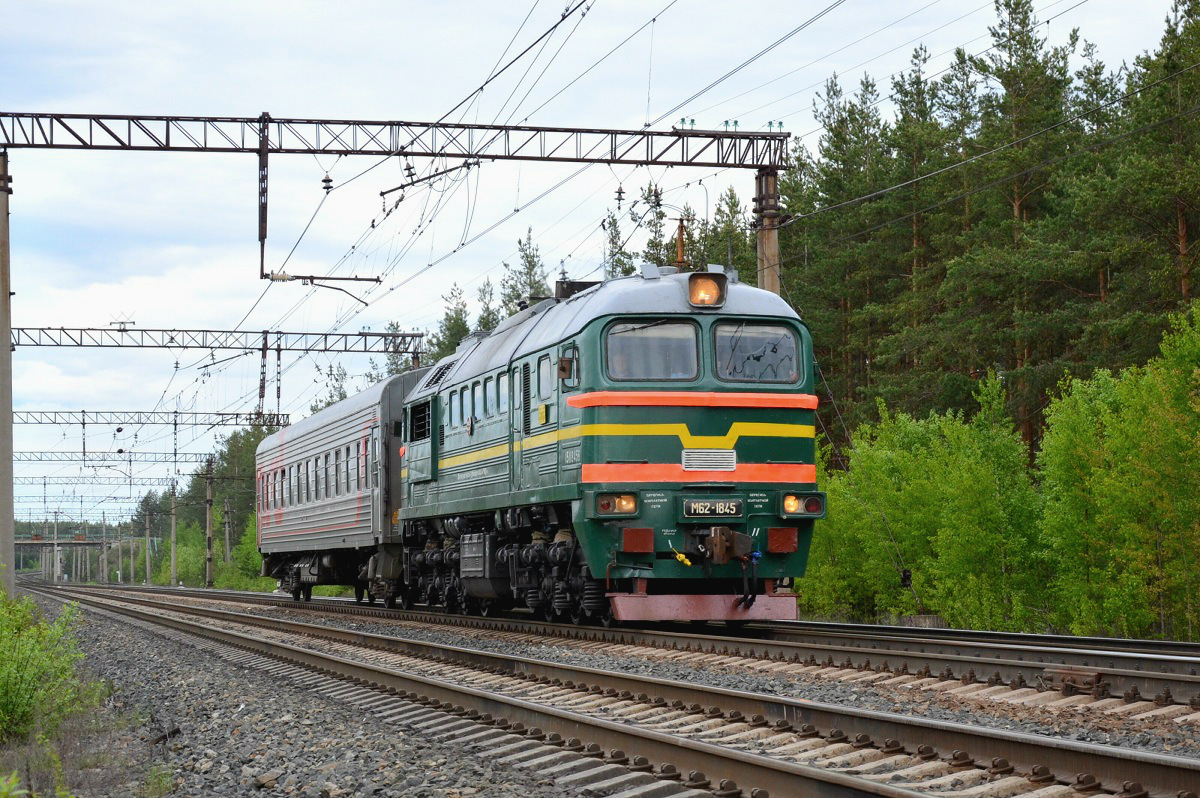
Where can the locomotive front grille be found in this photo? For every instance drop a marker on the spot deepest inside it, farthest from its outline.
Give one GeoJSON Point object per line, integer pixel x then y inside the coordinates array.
{"type": "Point", "coordinates": [709, 460]}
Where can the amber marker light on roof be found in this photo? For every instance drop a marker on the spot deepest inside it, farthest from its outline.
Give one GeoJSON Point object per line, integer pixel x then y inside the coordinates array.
{"type": "Point", "coordinates": [706, 289]}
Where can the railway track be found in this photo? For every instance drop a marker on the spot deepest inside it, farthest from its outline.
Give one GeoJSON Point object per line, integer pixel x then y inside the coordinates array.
{"type": "Point", "coordinates": [765, 743]}
{"type": "Point", "coordinates": [1144, 676]}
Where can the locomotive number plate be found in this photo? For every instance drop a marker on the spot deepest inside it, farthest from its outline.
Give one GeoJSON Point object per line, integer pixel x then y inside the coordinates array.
{"type": "Point", "coordinates": [712, 508]}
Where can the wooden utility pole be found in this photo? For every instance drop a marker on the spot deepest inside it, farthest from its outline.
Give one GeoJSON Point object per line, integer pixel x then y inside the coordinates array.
{"type": "Point", "coordinates": [208, 500]}
{"type": "Point", "coordinates": [766, 209]}
{"type": "Point", "coordinates": [227, 525]}
{"type": "Point", "coordinates": [8, 548]}
{"type": "Point", "coordinates": [174, 571]}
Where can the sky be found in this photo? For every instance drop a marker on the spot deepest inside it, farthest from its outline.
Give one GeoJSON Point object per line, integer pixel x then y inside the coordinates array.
{"type": "Point", "coordinates": [169, 240]}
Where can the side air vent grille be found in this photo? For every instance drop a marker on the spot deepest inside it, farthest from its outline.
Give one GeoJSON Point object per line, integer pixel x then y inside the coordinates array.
{"type": "Point", "coordinates": [439, 373]}
{"type": "Point", "coordinates": [525, 423]}
{"type": "Point", "coordinates": [709, 460]}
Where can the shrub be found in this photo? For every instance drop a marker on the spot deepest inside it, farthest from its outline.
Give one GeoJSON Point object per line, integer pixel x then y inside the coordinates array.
{"type": "Point", "coordinates": [38, 684]}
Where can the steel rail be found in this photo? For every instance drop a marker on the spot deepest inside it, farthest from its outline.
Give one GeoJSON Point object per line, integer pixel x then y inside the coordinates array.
{"type": "Point", "coordinates": [1139, 676]}
{"type": "Point", "coordinates": [958, 636]}
{"type": "Point", "coordinates": [778, 776]}
{"type": "Point", "coordinates": [1112, 766]}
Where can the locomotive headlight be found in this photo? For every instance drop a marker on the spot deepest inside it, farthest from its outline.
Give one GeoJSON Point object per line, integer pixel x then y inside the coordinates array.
{"type": "Point", "coordinates": [706, 289]}
{"type": "Point", "coordinates": [616, 504]}
{"type": "Point", "coordinates": [811, 505]}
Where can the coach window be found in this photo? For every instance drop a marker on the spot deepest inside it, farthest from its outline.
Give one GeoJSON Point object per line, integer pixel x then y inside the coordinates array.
{"type": "Point", "coordinates": [545, 378]}
{"type": "Point", "coordinates": [358, 466]}
{"type": "Point", "coordinates": [375, 458]}
{"type": "Point", "coordinates": [328, 490]}
{"type": "Point", "coordinates": [279, 488]}
{"type": "Point", "coordinates": [337, 472]}
{"type": "Point", "coordinates": [346, 460]}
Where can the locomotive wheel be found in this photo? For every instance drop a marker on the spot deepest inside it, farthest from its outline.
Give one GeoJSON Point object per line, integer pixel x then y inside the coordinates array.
{"type": "Point", "coordinates": [308, 592]}
{"type": "Point", "coordinates": [389, 601]}
{"type": "Point", "coordinates": [358, 594]}
{"type": "Point", "coordinates": [406, 598]}
{"type": "Point", "coordinates": [370, 598]}
{"type": "Point", "coordinates": [605, 618]}
{"type": "Point", "coordinates": [577, 615]}
{"type": "Point", "coordinates": [296, 591]}
{"type": "Point", "coordinates": [487, 608]}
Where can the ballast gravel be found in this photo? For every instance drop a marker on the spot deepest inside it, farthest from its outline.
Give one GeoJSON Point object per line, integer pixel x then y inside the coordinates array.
{"type": "Point", "coordinates": [235, 731]}
{"type": "Point", "coordinates": [1160, 736]}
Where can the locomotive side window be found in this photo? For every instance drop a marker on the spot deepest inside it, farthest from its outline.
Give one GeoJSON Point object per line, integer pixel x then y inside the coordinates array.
{"type": "Point", "coordinates": [747, 352]}
{"type": "Point", "coordinates": [419, 422]}
{"type": "Point", "coordinates": [489, 398]}
{"type": "Point", "coordinates": [465, 404]}
{"type": "Point", "coordinates": [652, 350]}
{"type": "Point", "coordinates": [452, 413]}
{"type": "Point", "coordinates": [477, 400]}
{"type": "Point", "coordinates": [502, 392]}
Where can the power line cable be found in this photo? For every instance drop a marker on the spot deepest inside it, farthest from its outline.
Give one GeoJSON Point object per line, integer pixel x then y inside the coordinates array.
{"type": "Point", "coordinates": [751, 59]}
{"type": "Point", "coordinates": [980, 156]}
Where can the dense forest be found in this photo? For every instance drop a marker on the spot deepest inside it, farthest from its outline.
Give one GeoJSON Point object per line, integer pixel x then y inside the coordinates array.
{"type": "Point", "coordinates": [996, 262]}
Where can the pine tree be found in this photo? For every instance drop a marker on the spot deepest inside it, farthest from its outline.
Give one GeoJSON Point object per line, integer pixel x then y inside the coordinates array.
{"type": "Point", "coordinates": [651, 217]}
{"type": "Point", "coordinates": [489, 314]}
{"type": "Point", "coordinates": [452, 329]}
{"type": "Point", "coordinates": [526, 280]}
{"type": "Point", "coordinates": [728, 239]}
{"type": "Point", "coordinates": [335, 384]}
{"type": "Point", "coordinates": [617, 260]}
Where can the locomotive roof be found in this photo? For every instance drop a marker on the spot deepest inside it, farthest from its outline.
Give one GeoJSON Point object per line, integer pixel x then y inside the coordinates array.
{"type": "Point", "coordinates": [553, 320]}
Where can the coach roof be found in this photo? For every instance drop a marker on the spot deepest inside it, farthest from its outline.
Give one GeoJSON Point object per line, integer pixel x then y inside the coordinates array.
{"type": "Point", "coordinates": [550, 321]}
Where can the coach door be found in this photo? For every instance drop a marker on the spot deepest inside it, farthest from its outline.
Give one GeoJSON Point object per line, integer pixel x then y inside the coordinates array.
{"type": "Point", "coordinates": [519, 422]}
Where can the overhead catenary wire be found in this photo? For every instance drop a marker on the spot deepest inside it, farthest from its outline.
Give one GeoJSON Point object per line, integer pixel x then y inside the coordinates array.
{"type": "Point", "coordinates": [712, 85]}
{"type": "Point", "coordinates": [1044, 164]}
{"type": "Point", "coordinates": [831, 53]}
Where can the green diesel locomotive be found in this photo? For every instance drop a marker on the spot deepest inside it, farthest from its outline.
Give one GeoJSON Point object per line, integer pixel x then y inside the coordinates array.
{"type": "Point", "coordinates": [632, 450]}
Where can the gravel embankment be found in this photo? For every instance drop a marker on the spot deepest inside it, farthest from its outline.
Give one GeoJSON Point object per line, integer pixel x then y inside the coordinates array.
{"type": "Point", "coordinates": [1161, 736]}
{"type": "Point", "coordinates": [242, 733]}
